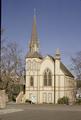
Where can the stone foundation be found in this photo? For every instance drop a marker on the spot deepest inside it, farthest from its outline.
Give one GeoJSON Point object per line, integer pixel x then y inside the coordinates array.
{"type": "Point", "coordinates": [3, 99]}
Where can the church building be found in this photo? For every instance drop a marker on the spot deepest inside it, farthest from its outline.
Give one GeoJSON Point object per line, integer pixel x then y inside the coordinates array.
{"type": "Point", "coordinates": [47, 78]}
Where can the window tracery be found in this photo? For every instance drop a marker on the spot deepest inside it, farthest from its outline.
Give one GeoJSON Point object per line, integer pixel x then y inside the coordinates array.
{"type": "Point", "coordinates": [47, 78]}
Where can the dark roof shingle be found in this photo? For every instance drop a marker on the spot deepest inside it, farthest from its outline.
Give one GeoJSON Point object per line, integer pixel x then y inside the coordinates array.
{"type": "Point", "coordinates": [34, 55]}
{"type": "Point", "coordinates": [65, 70]}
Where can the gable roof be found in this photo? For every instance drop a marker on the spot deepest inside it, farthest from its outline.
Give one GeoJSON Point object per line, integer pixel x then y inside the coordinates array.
{"type": "Point", "coordinates": [65, 70]}
{"type": "Point", "coordinates": [50, 57]}
{"type": "Point", "coordinates": [62, 67]}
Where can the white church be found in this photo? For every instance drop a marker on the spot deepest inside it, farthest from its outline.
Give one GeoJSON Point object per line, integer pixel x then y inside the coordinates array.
{"type": "Point", "coordinates": [47, 78]}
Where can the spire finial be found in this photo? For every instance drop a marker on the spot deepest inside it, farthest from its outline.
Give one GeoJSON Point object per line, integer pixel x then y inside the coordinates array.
{"type": "Point", "coordinates": [57, 51]}
{"type": "Point", "coordinates": [57, 54]}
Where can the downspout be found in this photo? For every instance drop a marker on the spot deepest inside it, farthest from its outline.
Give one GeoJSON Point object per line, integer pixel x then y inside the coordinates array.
{"type": "Point", "coordinates": [54, 84]}
{"type": "Point", "coordinates": [37, 86]}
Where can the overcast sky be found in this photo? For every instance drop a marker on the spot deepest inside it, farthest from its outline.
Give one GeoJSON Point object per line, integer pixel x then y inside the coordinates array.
{"type": "Point", "coordinates": [58, 25]}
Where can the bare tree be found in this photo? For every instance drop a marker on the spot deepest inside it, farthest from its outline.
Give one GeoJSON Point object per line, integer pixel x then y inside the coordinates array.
{"type": "Point", "coordinates": [77, 65]}
{"type": "Point", "coordinates": [12, 65]}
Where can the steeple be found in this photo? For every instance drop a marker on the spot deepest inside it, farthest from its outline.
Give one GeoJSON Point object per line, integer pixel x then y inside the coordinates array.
{"type": "Point", "coordinates": [34, 44]}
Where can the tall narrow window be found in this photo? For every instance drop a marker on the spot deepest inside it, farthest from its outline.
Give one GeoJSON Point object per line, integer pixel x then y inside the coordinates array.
{"type": "Point", "coordinates": [47, 78]}
{"type": "Point", "coordinates": [31, 81]}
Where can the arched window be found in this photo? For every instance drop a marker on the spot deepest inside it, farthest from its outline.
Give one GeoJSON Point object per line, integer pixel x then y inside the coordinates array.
{"type": "Point", "coordinates": [31, 81]}
{"type": "Point", "coordinates": [47, 78]}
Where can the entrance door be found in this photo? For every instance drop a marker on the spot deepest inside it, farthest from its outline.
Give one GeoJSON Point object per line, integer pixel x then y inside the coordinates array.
{"type": "Point", "coordinates": [49, 97]}
{"type": "Point", "coordinates": [44, 98]}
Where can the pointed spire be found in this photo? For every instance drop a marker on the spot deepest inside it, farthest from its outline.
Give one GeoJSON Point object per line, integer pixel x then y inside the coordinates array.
{"type": "Point", "coordinates": [34, 45]}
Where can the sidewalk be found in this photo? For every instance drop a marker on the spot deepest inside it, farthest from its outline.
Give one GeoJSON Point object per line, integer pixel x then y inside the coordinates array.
{"type": "Point", "coordinates": [10, 110]}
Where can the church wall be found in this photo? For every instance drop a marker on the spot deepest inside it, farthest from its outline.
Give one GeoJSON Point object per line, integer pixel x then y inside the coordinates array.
{"type": "Point", "coordinates": [70, 88]}
{"type": "Point", "coordinates": [39, 92]}
{"type": "Point", "coordinates": [47, 63]}
{"type": "Point", "coordinates": [46, 90]}
{"type": "Point", "coordinates": [32, 69]}
{"type": "Point", "coordinates": [57, 66]}
{"type": "Point", "coordinates": [59, 87]}
{"type": "Point", "coordinates": [46, 96]}
{"type": "Point", "coordinates": [32, 95]}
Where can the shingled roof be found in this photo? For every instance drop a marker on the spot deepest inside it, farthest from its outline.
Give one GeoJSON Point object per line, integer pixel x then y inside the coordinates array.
{"type": "Point", "coordinates": [65, 70]}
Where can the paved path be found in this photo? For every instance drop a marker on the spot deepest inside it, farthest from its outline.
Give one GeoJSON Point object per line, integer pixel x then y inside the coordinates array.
{"type": "Point", "coordinates": [6, 111]}
{"type": "Point", "coordinates": [40, 112]}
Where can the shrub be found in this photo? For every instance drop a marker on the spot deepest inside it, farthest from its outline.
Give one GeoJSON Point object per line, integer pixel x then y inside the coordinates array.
{"type": "Point", "coordinates": [14, 98]}
{"type": "Point", "coordinates": [28, 101]}
{"type": "Point", "coordinates": [63, 100]}
{"type": "Point", "coordinates": [78, 101]}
